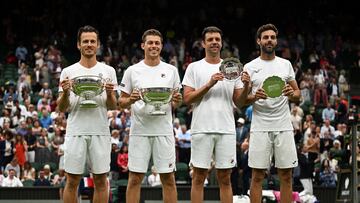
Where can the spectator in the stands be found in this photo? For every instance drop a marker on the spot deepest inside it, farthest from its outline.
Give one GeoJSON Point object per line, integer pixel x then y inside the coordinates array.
{"type": "Point", "coordinates": [327, 127]}
{"type": "Point", "coordinates": [31, 143]}
{"type": "Point", "coordinates": [41, 180]}
{"type": "Point", "coordinates": [23, 129]}
{"type": "Point", "coordinates": [122, 161]}
{"type": "Point", "coordinates": [20, 150]}
{"type": "Point", "coordinates": [42, 152]}
{"type": "Point", "coordinates": [47, 173]}
{"type": "Point", "coordinates": [328, 113]}
{"type": "Point", "coordinates": [320, 94]}
{"type": "Point", "coordinates": [29, 172]}
{"type": "Point", "coordinates": [154, 178]}
{"type": "Point", "coordinates": [21, 52]}
{"type": "Point", "coordinates": [333, 91]}
{"type": "Point", "coordinates": [327, 175]}
{"type": "Point", "coordinates": [13, 165]}
{"type": "Point", "coordinates": [43, 103]}
{"type": "Point", "coordinates": [184, 142]}
{"type": "Point", "coordinates": [11, 180]}
{"type": "Point", "coordinates": [306, 170]}
{"type": "Point", "coordinates": [45, 90]}
{"type": "Point", "coordinates": [8, 148]}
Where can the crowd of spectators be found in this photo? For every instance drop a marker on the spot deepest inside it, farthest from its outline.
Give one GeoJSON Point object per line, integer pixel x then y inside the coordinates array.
{"type": "Point", "coordinates": [32, 130]}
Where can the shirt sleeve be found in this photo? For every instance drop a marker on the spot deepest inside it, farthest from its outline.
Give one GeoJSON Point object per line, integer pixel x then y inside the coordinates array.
{"type": "Point", "coordinates": [114, 79]}
{"type": "Point", "coordinates": [291, 76]}
{"type": "Point", "coordinates": [238, 83]}
{"type": "Point", "coordinates": [189, 76]}
{"type": "Point", "coordinates": [177, 82]}
{"type": "Point", "coordinates": [125, 85]}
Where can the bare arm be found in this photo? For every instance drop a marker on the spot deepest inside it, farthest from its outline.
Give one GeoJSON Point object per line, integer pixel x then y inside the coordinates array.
{"type": "Point", "coordinates": [292, 91]}
{"type": "Point", "coordinates": [240, 95]}
{"type": "Point", "coordinates": [260, 94]}
{"type": "Point", "coordinates": [63, 100]}
{"type": "Point", "coordinates": [111, 103]}
{"type": "Point", "coordinates": [192, 96]}
{"type": "Point", "coordinates": [125, 99]}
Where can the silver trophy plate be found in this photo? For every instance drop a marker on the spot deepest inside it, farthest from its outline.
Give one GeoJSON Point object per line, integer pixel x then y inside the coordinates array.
{"type": "Point", "coordinates": [87, 87]}
{"type": "Point", "coordinates": [156, 97]}
{"type": "Point", "coordinates": [231, 68]}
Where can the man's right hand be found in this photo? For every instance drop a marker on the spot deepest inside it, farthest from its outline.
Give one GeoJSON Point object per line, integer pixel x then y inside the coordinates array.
{"type": "Point", "coordinates": [260, 94]}
{"type": "Point", "coordinates": [215, 78]}
{"type": "Point", "coordinates": [66, 85]}
{"type": "Point", "coordinates": [134, 96]}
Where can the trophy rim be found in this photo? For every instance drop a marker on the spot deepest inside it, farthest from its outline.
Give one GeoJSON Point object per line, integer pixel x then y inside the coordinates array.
{"type": "Point", "coordinates": [160, 99]}
{"type": "Point", "coordinates": [157, 88]}
{"type": "Point", "coordinates": [96, 85]}
{"type": "Point", "coordinates": [233, 60]}
{"type": "Point", "coordinates": [86, 77]}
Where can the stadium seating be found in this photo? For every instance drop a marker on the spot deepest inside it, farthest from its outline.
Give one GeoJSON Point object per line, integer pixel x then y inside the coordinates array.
{"type": "Point", "coordinates": [28, 183]}
{"type": "Point", "coordinates": [182, 173]}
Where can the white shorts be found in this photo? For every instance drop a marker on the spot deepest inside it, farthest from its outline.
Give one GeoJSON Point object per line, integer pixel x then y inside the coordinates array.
{"type": "Point", "coordinates": [206, 148]}
{"type": "Point", "coordinates": [263, 145]}
{"type": "Point", "coordinates": [92, 149]}
{"type": "Point", "coordinates": [162, 149]}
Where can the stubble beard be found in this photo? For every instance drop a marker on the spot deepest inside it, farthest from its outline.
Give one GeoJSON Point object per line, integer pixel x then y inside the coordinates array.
{"type": "Point", "coordinates": [268, 51]}
{"type": "Point", "coordinates": [88, 56]}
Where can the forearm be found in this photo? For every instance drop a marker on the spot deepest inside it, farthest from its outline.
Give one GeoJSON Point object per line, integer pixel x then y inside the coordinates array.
{"type": "Point", "coordinates": [125, 102]}
{"type": "Point", "coordinates": [296, 96]}
{"type": "Point", "coordinates": [111, 101]}
{"type": "Point", "coordinates": [250, 99]}
{"type": "Point", "coordinates": [196, 95]}
{"type": "Point", "coordinates": [63, 102]}
{"type": "Point", "coordinates": [240, 97]}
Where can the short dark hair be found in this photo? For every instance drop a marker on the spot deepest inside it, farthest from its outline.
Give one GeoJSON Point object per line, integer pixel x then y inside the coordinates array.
{"type": "Point", "coordinates": [264, 28]}
{"type": "Point", "coordinates": [87, 28]}
{"type": "Point", "coordinates": [210, 29]}
{"type": "Point", "coordinates": [151, 32]}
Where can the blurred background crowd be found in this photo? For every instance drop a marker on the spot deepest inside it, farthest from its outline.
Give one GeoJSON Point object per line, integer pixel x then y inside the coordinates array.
{"type": "Point", "coordinates": [38, 40]}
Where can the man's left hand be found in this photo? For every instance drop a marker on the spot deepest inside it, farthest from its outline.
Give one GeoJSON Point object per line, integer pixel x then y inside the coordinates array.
{"type": "Point", "coordinates": [177, 98]}
{"type": "Point", "coordinates": [109, 88]}
{"type": "Point", "coordinates": [288, 91]}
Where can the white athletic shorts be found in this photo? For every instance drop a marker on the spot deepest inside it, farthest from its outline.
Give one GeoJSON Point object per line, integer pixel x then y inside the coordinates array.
{"type": "Point", "coordinates": [162, 149]}
{"type": "Point", "coordinates": [206, 148]}
{"type": "Point", "coordinates": [263, 145]}
{"type": "Point", "coordinates": [93, 150]}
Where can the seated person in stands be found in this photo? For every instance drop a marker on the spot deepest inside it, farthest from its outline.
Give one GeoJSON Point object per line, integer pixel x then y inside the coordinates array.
{"type": "Point", "coordinates": [47, 173]}
{"type": "Point", "coordinates": [154, 178]}
{"type": "Point", "coordinates": [11, 180]}
{"type": "Point", "coordinates": [29, 172]}
{"type": "Point", "coordinates": [13, 165]}
{"type": "Point", "coordinates": [42, 181]}
{"type": "Point", "coordinates": [58, 178]}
